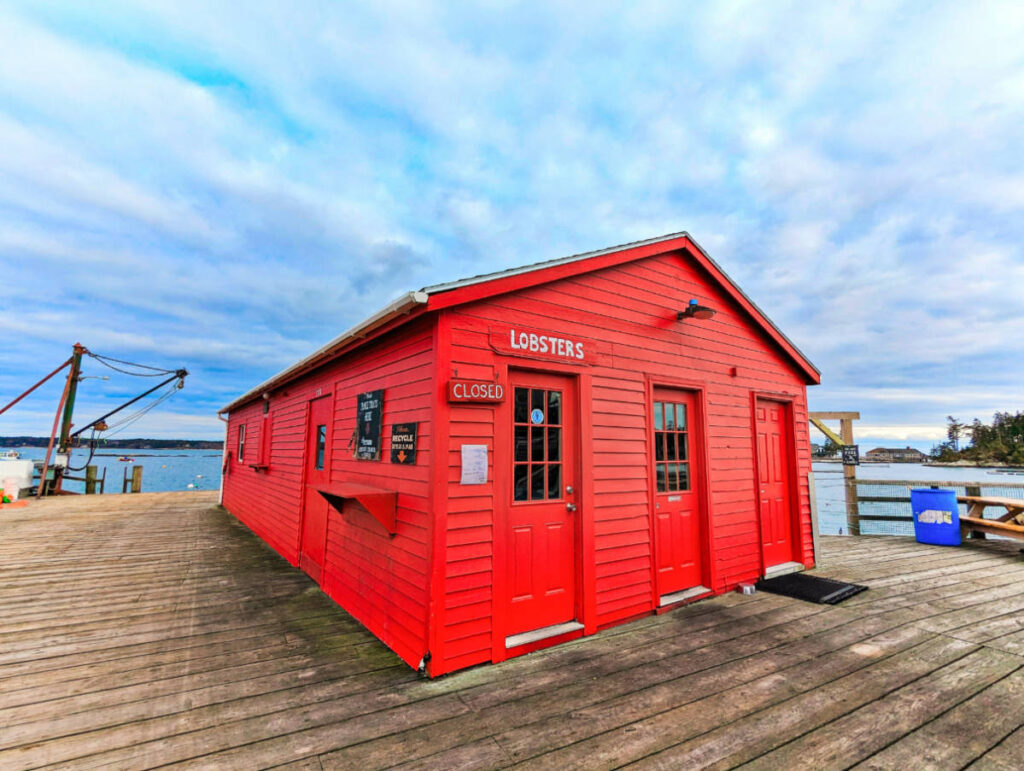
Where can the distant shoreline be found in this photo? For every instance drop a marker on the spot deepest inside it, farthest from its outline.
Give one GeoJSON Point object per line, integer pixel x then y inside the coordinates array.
{"type": "Point", "coordinates": [933, 464]}
{"type": "Point", "coordinates": [14, 442]}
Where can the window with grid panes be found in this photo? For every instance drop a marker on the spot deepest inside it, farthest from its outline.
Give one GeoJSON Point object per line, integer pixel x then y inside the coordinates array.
{"type": "Point", "coordinates": [537, 438]}
{"type": "Point", "coordinates": [671, 447]}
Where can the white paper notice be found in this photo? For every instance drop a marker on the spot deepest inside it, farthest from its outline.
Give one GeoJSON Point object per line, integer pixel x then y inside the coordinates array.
{"type": "Point", "coordinates": [474, 464]}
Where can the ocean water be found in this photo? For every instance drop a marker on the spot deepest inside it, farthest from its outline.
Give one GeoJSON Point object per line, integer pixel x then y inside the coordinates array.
{"type": "Point", "coordinates": [828, 481]}
{"type": "Point", "coordinates": [162, 470]}
{"type": "Point", "coordinates": [168, 470]}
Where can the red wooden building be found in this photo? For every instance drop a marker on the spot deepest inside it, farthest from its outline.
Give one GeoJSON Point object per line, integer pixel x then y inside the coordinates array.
{"type": "Point", "coordinates": [510, 461]}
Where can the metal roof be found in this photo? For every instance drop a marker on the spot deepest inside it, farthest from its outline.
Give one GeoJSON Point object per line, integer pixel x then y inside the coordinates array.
{"type": "Point", "coordinates": [437, 288]}
{"type": "Point", "coordinates": [410, 301]}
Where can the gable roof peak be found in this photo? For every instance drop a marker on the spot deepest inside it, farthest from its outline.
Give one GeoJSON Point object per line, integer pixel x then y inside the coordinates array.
{"type": "Point", "coordinates": [531, 267]}
{"type": "Point", "coordinates": [453, 293]}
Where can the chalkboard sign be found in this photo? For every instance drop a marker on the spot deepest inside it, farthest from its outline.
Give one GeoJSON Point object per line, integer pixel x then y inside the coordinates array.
{"type": "Point", "coordinates": [403, 443]}
{"type": "Point", "coordinates": [851, 455]}
{"type": "Point", "coordinates": [369, 407]}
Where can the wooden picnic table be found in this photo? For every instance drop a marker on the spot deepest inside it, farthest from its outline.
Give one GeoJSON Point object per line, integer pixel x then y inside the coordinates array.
{"type": "Point", "coordinates": [1010, 524]}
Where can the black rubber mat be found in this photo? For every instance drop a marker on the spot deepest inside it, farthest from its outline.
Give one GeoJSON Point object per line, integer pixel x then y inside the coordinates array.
{"type": "Point", "coordinates": [810, 588]}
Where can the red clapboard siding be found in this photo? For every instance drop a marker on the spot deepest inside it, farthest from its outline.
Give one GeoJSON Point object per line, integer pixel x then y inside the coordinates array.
{"type": "Point", "coordinates": [379, 579]}
{"type": "Point", "coordinates": [438, 590]}
{"type": "Point", "coordinates": [630, 309]}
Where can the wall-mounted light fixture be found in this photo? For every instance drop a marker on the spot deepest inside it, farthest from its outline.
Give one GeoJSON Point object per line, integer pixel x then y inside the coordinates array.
{"type": "Point", "coordinates": [695, 311]}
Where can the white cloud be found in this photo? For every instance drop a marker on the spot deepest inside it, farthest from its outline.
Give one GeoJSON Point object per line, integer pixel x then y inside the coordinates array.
{"type": "Point", "coordinates": [935, 433]}
{"type": "Point", "coordinates": [231, 186]}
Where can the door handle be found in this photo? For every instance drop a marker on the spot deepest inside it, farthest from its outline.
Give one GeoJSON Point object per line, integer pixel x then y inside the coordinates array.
{"type": "Point", "coordinates": [570, 506]}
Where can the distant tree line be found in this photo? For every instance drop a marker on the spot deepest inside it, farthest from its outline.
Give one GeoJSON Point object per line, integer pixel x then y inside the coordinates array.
{"type": "Point", "coordinates": [1001, 443]}
{"type": "Point", "coordinates": [828, 450]}
{"type": "Point", "coordinates": [119, 444]}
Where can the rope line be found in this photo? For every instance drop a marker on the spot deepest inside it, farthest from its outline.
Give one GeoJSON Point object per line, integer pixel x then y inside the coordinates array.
{"type": "Point", "coordinates": [105, 361]}
{"type": "Point", "coordinates": [92, 453]}
{"type": "Point", "coordinates": [122, 424]}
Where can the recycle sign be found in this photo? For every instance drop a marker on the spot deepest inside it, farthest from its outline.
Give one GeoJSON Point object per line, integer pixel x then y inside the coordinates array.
{"type": "Point", "coordinates": [403, 443]}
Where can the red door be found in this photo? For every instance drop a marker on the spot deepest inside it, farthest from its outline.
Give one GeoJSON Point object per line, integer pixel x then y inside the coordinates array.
{"type": "Point", "coordinates": [541, 523]}
{"type": "Point", "coordinates": [774, 480]}
{"type": "Point", "coordinates": [678, 542]}
{"type": "Point", "coordinates": [313, 545]}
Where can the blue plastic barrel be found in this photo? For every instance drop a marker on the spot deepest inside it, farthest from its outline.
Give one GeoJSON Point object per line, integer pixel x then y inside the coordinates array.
{"type": "Point", "coordinates": [936, 516]}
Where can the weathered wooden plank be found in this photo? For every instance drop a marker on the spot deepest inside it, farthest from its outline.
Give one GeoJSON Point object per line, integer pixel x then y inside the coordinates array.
{"type": "Point", "coordinates": [943, 594]}
{"type": "Point", "coordinates": [370, 691]}
{"type": "Point", "coordinates": [431, 711]}
{"type": "Point", "coordinates": [832, 653]}
{"type": "Point", "coordinates": [177, 636]}
{"type": "Point", "coordinates": [480, 755]}
{"type": "Point", "coordinates": [968, 611]}
{"type": "Point", "coordinates": [306, 764]}
{"type": "Point", "coordinates": [961, 735]}
{"type": "Point", "coordinates": [621, 679]}
{"type": "Point", "coordinates": [1011, 643]}
{"type": "Point", "coordinates": [256, 695]}
{"type": "Point", "coordinates": [863, 732]}
{"type": "Point", "coordinates": [706, 731]}
{"type": "Point", "coordinates": [1005, 756]}
{"type": "Point", "coordinates": [253, 630]}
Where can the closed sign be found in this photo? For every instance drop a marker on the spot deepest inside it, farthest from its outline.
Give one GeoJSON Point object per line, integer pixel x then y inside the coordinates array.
{"type": "Point", "coordinates": [472, 391]}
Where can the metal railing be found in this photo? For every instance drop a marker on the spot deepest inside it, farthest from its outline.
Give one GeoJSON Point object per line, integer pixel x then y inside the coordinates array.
{"type": "Point", "coordinates": [883, 505]}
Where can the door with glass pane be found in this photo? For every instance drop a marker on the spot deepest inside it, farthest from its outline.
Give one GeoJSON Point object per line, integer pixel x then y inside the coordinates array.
{"type": "Point", "coordinates": [541, 523]}
{"type": "Point", "coordinates": [313, 544]}
{"type": "Point", "coordinates": [678, 538]}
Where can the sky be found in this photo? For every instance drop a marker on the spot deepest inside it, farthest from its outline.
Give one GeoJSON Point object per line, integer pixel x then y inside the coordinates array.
{"type": "Point", "coordinates": [227, 186]}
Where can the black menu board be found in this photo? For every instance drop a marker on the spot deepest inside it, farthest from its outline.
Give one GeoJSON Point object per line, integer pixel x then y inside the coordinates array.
{"type": "Point", "coordinates": [369, 407]}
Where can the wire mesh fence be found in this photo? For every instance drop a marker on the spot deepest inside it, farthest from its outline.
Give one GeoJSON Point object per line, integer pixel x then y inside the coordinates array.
{"type": "Point", "coordinates": [885, 503]}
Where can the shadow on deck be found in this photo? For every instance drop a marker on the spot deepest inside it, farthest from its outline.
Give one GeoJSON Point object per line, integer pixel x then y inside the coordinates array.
{"type": "Point", "coordinates": [153, 629]}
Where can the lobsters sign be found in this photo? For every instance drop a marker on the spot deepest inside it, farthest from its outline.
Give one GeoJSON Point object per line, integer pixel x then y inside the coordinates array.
{"type": "Point", "coordinates": [537, 344]}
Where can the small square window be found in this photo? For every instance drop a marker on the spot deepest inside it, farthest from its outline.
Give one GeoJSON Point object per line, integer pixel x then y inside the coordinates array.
{"type": "Point", "coordinates": [522, 405]}
{"type": "Point", "coordinates": [537, 443]}
{"type": "Point", "coordinates": [537, 482]}
{"type": "Point", "coordinates": [537, 401]}
{"type": "Point", "coordinates": [522, 432]}
{"type": "Point", "coordinates": [554, 407]}
{"type": "Point", "coordinates": [522, 472]}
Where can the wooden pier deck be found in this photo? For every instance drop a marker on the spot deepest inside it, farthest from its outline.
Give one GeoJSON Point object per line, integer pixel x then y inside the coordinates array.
{"type": "Point", "coordinates": [149, 630]}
